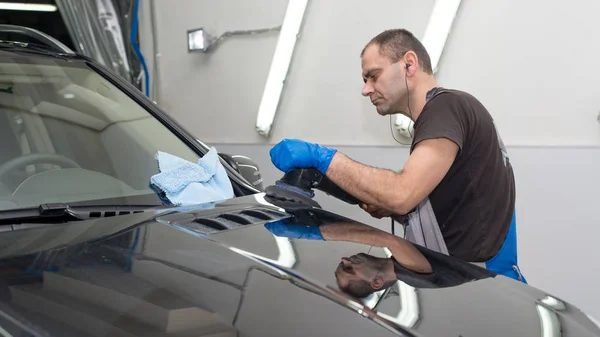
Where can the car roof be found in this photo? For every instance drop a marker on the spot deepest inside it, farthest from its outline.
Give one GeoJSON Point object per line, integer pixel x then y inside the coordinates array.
{"type": "Point", "coordinates": [29, 36]}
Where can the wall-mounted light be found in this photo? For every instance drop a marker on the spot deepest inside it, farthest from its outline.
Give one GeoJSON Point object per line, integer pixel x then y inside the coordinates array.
{"type": "Point", "coordinates": [201, 41]}
{"type": "Point", "coordinates": [197, 40]}
{"type": "Point", "coordinates": [13, 6]}
{"type": "Point", "coordinates": [292, 23]}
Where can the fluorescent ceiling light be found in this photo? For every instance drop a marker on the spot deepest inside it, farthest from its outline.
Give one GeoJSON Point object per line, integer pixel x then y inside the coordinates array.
{"type": "Point", "coordinates": [408, 315]}
{"type": "Point", "coordinates": [438, 29]}
{"type": "Point", "coordinates": [286, 258]}
{"type": "Point", "coordinates": [14, 6]}
{"type": "Point", "coordinates": [280, 65]}
{"type": "Point", "coordinates": [550, 322]}
{"type": "Point", "coordinates": [554, 303]}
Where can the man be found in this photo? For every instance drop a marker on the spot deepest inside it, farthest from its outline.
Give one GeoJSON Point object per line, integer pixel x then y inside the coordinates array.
{"type": "Point", "coordinates": [361, 274]}
{"type": "Point", "coordinates": [458, 173]}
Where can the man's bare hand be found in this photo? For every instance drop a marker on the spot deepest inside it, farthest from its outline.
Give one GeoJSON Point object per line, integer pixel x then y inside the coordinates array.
{"type": "Point", "coordinates": [375, 211]}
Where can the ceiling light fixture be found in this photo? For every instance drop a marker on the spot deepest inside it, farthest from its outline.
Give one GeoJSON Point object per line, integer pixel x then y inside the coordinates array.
{"type": "Point", "coordinates": [434, 40]}
{"type": "Point", "coordinates": [14, 6]}
{"type": "Point", "coordinates": [438, 28]}
{"type": "Point", "coordinates": [290, 30]}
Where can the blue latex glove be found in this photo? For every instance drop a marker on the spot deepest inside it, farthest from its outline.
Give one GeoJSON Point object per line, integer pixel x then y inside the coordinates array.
{"type": "Point", "coordinates": [294, 231]}
{"type": "Point", "coordinates": [290, 154]}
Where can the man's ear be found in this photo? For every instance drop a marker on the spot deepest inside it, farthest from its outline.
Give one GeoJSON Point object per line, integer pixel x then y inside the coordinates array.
{"type": "Point", "coordinates": [411, 60]}
{"type": "Point", "coordinates": [377, 282]}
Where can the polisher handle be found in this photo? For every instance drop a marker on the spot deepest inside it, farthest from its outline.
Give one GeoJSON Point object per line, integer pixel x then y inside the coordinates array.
{"type": "Point", "coordinates": [309, 178]}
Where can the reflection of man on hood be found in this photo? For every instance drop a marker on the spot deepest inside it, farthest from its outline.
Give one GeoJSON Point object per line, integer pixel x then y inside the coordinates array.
{"type": "Point", "coordinates": [361, 274]}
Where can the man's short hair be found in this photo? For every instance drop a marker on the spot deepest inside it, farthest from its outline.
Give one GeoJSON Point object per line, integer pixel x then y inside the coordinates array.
{"type": "Point", "coordinates": [394, 43]}
{"type": "Point", "coordinates": [362, 288]}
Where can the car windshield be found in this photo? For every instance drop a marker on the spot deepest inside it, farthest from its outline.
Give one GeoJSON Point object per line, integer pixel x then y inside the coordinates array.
{"type": "Point", "coordinates": [69, 135]}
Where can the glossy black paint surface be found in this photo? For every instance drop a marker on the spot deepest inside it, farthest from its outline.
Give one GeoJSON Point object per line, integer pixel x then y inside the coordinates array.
{"type": "Point", "coordinates": [175, 272]}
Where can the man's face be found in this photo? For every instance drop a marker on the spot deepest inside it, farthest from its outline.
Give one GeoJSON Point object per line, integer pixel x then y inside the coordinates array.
{"type": "Point", "coordinates": [384, 82]}
{"type": "Point", "coordinates": [357, 267]}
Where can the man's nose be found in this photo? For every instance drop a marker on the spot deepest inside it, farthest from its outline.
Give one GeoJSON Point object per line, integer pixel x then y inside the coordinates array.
{"type": "Point", "coordinates": [367, 89]}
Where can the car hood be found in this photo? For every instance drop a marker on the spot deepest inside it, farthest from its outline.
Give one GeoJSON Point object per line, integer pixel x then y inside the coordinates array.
{"type": "Point", "coordinates": [215, 270]}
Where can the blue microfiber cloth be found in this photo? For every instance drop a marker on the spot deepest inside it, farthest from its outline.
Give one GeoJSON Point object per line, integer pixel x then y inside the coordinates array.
{"type": "Point", "coordinates": [185, 183]}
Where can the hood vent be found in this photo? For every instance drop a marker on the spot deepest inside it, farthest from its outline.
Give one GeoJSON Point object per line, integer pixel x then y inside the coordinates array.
{"type": "Point", "coordinates": [232, 220]}
{"type": "Point", "coordinates": [107, 214]}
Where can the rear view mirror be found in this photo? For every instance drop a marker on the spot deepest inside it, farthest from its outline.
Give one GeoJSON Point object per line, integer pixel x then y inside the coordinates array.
{"type": "Point", "coordinates": [246, 167]}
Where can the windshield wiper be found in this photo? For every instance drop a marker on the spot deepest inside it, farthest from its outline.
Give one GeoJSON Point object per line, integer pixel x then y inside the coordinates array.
{"type": "Point", "coordinates": [60, 213]}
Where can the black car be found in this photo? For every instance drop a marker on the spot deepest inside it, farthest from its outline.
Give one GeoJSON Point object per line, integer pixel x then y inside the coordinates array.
{"type": "Point", "coordinates": [89, 248]}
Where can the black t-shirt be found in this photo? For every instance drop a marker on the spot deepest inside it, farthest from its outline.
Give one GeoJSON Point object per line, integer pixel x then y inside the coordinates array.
{"type": "Point", "coordinates": [475, 201]}
{"type": "Point", "coordinates": [448, 271]}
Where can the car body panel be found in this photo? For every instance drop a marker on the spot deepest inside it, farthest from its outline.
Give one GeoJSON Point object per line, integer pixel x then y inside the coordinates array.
{"type": "Point", "coordinates": [184, 279]}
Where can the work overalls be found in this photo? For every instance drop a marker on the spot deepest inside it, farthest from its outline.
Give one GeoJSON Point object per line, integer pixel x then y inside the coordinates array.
{"type": "Point", "coordinates": [421, 227]}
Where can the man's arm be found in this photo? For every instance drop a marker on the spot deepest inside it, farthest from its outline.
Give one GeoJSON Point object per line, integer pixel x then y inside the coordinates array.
{"type": "Point", "coordinates": [403, 251]}
{"type": "Point", "coordinates": [396, 192]}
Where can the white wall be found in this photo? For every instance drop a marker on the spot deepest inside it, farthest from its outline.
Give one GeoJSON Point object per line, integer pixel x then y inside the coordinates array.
{"type": "Point", "coordinates": [533, 63]}
{"type": "Point", "coordinates": [324, 85]}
